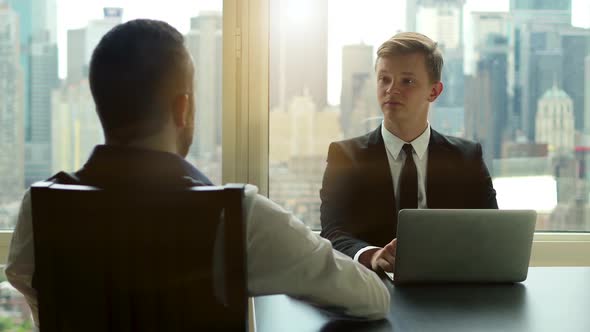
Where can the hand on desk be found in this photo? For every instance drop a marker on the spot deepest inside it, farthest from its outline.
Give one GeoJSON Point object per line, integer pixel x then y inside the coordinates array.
{"type": "Point", "coordinates": [380, 258]}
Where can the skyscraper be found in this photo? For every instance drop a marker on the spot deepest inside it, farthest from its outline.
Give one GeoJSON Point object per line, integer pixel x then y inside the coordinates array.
{"type": "Point", "coordinates": [61, 132]}
{"type": "Point", "coordinates": [24, 11]}
{"type": "Point", "coordinates": [538, 53]}
{"type": "Point", "coordinates": [11, 110]}
{"type": "Point", "coordinates": [555, 121]}
{"type": "Point", "coordinates": [38, 33]}
{"type": "Point", "coordinates": [486, 106]}
{"type": "Point", "coordinates": [301, 136]}
{"type": "Point", "coordinates": [442, 21]}
{"type": "Point", "coordinates": [204, 42]}
{"type": "Point", "coordinates": [86, 131]}
{"type": "Point", "coordinates": [44, 79]}
{"type": "Point", "coordinates": [497, 23]}
{"type": "Point", "coordinates": [81, 42]}
{"type": "Point", "coordinates": [35, 17]}
{"type": "Point", "coordinates": [410, 15]}
{"type": "Point", "coordinates": [560, 5]}
{"type": "Point", "coordinates": [357, 69]}
{"type": "Point", "coordinates": [587, 102]}
{"type": "Point", "coordinates": [75, 127]}
{"type": "Point", "coordinates": [555, 127]}
{"type": "Point", "coordinates": [298, 51]}
{"type": "Point", "coordinates": [575, 43]}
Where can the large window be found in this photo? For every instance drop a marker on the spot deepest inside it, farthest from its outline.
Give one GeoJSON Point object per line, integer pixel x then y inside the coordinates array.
{"type": "Point", "coordinates": [514, 78]}
{"type": "Point", "coordinates": [47, 117]}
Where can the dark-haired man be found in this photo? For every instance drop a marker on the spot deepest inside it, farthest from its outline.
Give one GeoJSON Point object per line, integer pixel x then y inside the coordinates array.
{"type": "Point", "coordinates": [141, 78]}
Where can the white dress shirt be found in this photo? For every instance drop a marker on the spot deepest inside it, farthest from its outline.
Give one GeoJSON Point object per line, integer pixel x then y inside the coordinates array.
{"type": "Point", "coordinates": [397, 157]}
{"type": "Point", "coordinates": [284, 257]}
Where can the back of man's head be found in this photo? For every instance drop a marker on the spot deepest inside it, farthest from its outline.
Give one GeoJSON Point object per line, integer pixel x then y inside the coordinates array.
{"type": "Point", "coordinates": [136, 71]}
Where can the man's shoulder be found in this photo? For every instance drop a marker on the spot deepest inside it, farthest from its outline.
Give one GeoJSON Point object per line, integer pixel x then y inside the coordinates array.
{"type": "Point", "coordinates": [358, 141]}
{"type": "Point", "coordinates": [457, 145]}
{"type": "Point", "coordinates": [351, 146]}
{"type": "Point", "coordinates": [63, 177]}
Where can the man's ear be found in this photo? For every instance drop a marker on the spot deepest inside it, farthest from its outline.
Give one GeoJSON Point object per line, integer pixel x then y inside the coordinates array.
{"type": "Point", "coordinates": [437, 89]}
{"type": "Point", "coordinates": [181, 110]}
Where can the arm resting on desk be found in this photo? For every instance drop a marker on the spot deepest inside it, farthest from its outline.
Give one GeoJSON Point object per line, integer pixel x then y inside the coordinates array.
{"type": "Point", "coordinates": [286, 257]}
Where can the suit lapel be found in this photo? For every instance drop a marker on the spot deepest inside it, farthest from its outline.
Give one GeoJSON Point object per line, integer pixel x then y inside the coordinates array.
{"type": "Point", "coordinates": [379, 176]}
{"type": "Point", "coordinates": [439, 169]}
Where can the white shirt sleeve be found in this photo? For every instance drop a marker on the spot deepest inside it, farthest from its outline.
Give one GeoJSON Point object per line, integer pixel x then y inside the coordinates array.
{"type": "Point", "coordinates": [20, 263]}
{"type": "Point", "coordinates": [358, 253]}
{"type": "Point", "coordinates": [286, 257]}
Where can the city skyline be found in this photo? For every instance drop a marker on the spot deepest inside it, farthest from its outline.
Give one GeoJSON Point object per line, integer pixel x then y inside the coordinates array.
{"type": "Point", "coordinates": [340, 31]}
{"type": "Point", "coordinates": [523, 96]}
{"type": "Point", "coordinates": [493, 63]}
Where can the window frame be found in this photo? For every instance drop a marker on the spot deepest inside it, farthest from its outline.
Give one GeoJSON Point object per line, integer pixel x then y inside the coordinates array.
{"type": "Point", "coordinates": [251, 41]}
{"type": "Point", "coordinates": [245, 141]}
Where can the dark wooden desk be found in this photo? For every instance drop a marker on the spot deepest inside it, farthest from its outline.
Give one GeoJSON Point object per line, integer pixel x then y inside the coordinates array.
{"type": "Point", "coordinates": [551, 299]}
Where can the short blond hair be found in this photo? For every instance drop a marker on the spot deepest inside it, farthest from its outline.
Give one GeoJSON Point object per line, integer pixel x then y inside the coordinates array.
{"type": "Point", "coordinates": [413, 42]}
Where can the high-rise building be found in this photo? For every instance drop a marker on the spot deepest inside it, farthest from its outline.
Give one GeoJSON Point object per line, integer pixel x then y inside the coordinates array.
{"type": "Point", "coordinates": [24, 11]}
{"type": "Point", "coordinates": [301, 130]}
{"type": "Point", "coordinates": [44, 78]}
{"type": "Point", "coordinates": [301, 137]}
{"type": "Point", "coordinates": [76, 128]}
{"type": "Point", "coordinates": [35, 17]}
{"type": "Point", "coordinates": [61, 132]}
{"type": "Point", "coordinates": [492, 23]}
{"type": "Point", "coordinates": [11, 109]}
{"type": "Point", "coordinates": [448, 120]}
{"type": "Point", "coordinates": [204, 42]}
{"type": "Point", "coordinates": [587, 102]}
{"type": "Point", "coordinates": [298, 51]}
{"type": "Point", "coordinates": [87, 130]}
{"type": "Point", "coordinates": [442, 21]}
{"type": "Point", "coordinates": [77, 66]}
{"type": "Point", "coordinates": [38, 35]}
{"type": "Point", "coordinates": [486, 105]}
{"type": "Point", "coordinates": [81, 42]}
{"type": "Point", "coordinates": [366, 112]}
{"type": "Point", "coordinates": [538, 57]}
{"type": "Point", "coordinates": [555, 122]}
{"type": "Point", "coordinates": [575, 43]}
{"type": "Point", "coordinates": [563, 8]}
{"type": "Point", "coordinates": [410, 15]}
{"type": "Point", "coordinates": [357, 71]}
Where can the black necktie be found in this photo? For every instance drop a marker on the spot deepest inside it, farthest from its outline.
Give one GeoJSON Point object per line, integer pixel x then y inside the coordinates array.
{"type": "Point", "coordinates": [408, 182]}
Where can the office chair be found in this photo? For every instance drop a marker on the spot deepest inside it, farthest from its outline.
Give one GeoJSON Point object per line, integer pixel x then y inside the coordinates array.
{"type": "Point", "coordinates": [165, 259]}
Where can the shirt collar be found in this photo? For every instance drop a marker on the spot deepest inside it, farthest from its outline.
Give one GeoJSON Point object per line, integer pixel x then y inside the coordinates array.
{"type": "Point", "coordinates": [116, 161]}
{"type": "Point", "coordinates": [394, 144]}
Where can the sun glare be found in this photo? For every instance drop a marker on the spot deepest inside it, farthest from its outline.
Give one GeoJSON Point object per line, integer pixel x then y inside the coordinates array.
{"type": "Point", "coordinates": [526, 192]}
{"type": "Point", "coordinates": [300, 11]}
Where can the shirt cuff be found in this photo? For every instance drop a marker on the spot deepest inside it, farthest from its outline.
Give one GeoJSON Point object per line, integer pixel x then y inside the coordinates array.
{"type": "Point", "coordinates": [358, 253]}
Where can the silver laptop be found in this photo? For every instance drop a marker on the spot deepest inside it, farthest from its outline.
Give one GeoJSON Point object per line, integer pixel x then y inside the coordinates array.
{"type": "Point", "coordinates": [486, 246]}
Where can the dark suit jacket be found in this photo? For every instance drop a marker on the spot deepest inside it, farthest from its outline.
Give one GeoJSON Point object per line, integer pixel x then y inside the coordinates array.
{"type": "Point", "coordinates": [358, 205]}
{"type": "Point", "coordinates": [120, 166]}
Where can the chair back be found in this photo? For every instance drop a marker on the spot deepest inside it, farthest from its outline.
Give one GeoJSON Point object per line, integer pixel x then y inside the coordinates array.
{"type": "Point", "coordinates": [155, 259]}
